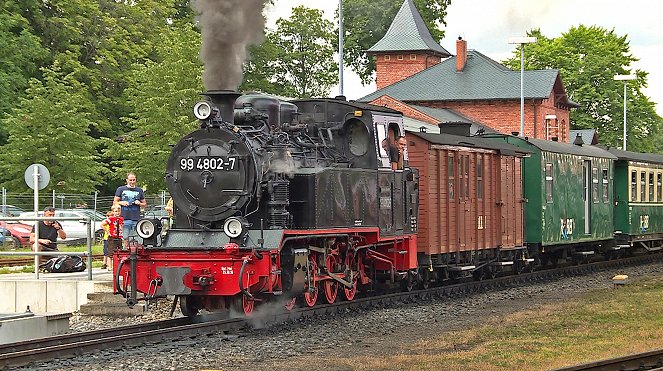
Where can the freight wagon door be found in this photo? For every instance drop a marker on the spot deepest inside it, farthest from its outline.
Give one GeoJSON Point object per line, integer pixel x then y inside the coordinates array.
{"type": "Point", "coordinates": [586, 193]}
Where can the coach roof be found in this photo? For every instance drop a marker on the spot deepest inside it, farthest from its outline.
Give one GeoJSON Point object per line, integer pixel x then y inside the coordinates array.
{"type": "Point", "coordinates": [636, 156]}
{"type": "Point", "coordinates": [471, 142]}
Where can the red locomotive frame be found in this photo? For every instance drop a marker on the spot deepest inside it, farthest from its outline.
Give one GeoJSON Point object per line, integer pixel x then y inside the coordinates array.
{"type": "Point", "coordinates": [232, 278]}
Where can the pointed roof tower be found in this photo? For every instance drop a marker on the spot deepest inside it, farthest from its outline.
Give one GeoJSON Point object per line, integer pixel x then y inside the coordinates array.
{"type": "Point", "coordinates": [408, 32]}
{"type": "Point", "coordinates": [406, 49]}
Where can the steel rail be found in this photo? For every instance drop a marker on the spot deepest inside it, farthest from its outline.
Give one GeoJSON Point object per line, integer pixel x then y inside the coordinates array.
{"type": "Point", "coordinates": [641, 361]}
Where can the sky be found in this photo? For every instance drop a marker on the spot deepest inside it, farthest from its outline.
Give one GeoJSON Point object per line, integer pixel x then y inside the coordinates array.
{"type": "Point", "coordinates": [487, 25]}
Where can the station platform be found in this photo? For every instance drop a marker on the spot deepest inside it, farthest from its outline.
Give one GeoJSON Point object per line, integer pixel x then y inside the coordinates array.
{"type": "Point", "coordinates": [52, 292]}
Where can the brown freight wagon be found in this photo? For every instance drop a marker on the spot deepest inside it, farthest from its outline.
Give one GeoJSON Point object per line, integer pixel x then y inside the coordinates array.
{"type": "Point", "coordinates": [471, 205]}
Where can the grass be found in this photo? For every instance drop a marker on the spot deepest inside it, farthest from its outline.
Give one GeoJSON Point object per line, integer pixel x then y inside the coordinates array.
{"type": "Point", "coordinates": [601, 324]}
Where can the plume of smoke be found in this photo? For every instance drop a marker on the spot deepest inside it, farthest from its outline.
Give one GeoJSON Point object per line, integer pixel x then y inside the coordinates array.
{"type": "Point", "coordinates": [227, 27]}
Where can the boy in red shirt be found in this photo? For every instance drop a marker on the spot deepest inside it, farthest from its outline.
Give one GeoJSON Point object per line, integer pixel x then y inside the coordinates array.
{"type": "Point", "coordinates": [114, 225]}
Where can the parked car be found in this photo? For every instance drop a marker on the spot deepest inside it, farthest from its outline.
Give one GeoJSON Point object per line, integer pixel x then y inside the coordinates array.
{"type": "Point", "coordinates": [11, 210]}
{"type": "Point", "coordinates": [7, 240]}
{"type": "Point", "coordinates": [75, 229]}
{"type": "Point", "coordinates": [20, 231]}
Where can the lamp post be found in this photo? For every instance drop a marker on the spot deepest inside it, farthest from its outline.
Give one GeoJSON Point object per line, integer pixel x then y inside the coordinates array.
{"type": "Point", "coordinates": [625, 78]}
{"type": "Point", "coordinates": [340, 47]}
{"type": "Point", "coordinates": [522, 40]}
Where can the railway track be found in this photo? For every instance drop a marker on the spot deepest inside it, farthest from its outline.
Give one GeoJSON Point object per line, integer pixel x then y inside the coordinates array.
{"type": "Point", "coordinates": [21, 353]}
{"type": "Point", "coordinates": [14, 262]}
{"type": "Point", "coordinates": [652, 360]}
{"type": "Point", "coordinates": [62, 346]}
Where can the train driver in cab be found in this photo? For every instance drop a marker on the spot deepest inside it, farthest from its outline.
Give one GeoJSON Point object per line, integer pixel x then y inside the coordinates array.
{"type": "Point", "coordinates": [392, 152]}
{"type": "Point", "coordinates": [402, 143]}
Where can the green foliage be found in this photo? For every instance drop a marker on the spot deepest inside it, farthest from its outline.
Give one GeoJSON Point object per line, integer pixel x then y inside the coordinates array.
{"type": "Point", "coordinates": [296, 59]}
{"type": "Point", "coordinates": [50, 126]}
{"type": "Point", "coordinates": [588, 59]}
{"type": "Point", "coordinates": [365, 22]}
{"type": "Point", "coordinates": [21, 56]}
{"type": "Point", "coordinates": [161, 96]}
{"type": "Point", "coordinates": [305, 45]}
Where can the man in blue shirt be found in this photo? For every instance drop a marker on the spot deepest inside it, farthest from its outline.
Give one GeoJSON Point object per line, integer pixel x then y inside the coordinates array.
{"type": "Point", "coordinates": [131, 198]}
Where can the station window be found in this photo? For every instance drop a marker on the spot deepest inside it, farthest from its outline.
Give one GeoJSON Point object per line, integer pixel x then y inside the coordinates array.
{"type": "Point", "coordinates": [659, 188]}
{"type": "Point", "coordinates": [413, 57]}
{"type": "Point", "coordinates": [549, 183]}
{"type": "Point", "coordinates": [651, 187]}
{"type": "Point", "coordinates": [605, 184]}
{"type": "Point", "coordinates": [595, 185]}
{"type": "Point", "coordinates": [634, 186]}
{"type": "Point", "coordinates": [450, 167]}
{"type": "Point", "coordinates": [643, 186]}
{"type": "Point", "coordinates": [400, 57]}
{"type": "Point", "coordinates": [387, 57]}
{"type": "Point", "coordinates": [479, 177]}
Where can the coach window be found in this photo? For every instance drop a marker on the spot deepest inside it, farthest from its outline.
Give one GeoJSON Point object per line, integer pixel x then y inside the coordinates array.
{"type": "Point", "coordinates": [634, 186]}
{"type": "Point", "coordinates": [595, 185]}
{"type": "Point", "coordinates": [479, 177]}
{"type": "Point", "coordinates": [650, 184]}
{"type": "Point", "coordinates": [643, 186]}
{"type": "Point", "coordinates": [467, 176]}
{"type": "Point", "coordinates": [461, 171]}
{"type": "Point", "coordinates": [659, 187]}
{"type": "Point", "coordinates": [450, 171]}
{"type": "Point", "coordinates": [605, 184]}
{"type": "Point", "coordinates": [549, 183]}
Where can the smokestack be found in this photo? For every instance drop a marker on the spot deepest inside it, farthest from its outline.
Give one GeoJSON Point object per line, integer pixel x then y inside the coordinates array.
{"type": "Point", "coordinates": [461, 54]}
{"type": "Point", "coordinates": [224, 100]}
{"type": "Point", "coordinates": [228, 27]}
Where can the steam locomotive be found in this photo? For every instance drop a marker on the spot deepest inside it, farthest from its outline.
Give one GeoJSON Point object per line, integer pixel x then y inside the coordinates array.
{"type": "Point", "coordinates": [278, 200]}
{"type": "Point", "coordinates": [296, 202]}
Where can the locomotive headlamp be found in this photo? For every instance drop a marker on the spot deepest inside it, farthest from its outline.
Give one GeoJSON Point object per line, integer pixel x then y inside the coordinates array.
{"type": "Point", "coordinates": [148, 228]}
{"type": "Point", "coordinates": [202, 110]}
{"type": "Point", "coordinates": [234, 227]}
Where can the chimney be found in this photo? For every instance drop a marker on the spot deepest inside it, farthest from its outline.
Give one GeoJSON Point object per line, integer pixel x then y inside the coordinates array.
{"type": "Point", "coordinates": [225, 103]}
{"type": "Point", "coordinates": [461, 54]}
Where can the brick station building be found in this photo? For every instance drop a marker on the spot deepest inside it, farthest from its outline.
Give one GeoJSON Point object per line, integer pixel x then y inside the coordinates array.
{"type": "Point", "coordinates": [418, 77]}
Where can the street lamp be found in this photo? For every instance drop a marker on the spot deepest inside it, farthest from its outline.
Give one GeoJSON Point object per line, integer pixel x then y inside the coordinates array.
{"type": "Point", "coordinates": [625, 78]}
{"type": "Point", "coordinates": [522, 40]}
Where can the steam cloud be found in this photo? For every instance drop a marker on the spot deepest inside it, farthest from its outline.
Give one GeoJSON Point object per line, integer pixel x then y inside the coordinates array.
{"type": "Point", "coordinates": [227, 27]}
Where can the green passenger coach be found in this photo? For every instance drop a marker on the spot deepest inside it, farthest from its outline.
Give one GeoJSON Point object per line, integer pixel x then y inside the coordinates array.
{"type": "Point", "coordinates": [638, 199]}
{"type": "Point", "coordinates": [568, 199]}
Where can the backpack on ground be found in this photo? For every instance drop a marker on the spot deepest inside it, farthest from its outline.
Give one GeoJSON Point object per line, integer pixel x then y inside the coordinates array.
{"type": "Point", "coordinates": [64, 264]}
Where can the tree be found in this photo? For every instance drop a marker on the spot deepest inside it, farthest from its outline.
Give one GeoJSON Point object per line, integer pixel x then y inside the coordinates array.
{"type": "Point", "coordinates": [588, 58]}
{"type": "Point", "coordinates": [305, 64]}
{"type": "Point", "coordinates": [50, 126]}
{"type": "Point", "coordinates": [161, 96]}
{"type": "Point", "coordinates": [20, 60]}
{"type": "Point", "coordinates": [365, 22]}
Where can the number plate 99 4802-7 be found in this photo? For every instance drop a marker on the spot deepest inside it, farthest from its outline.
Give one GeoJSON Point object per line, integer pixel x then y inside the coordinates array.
{"type": "Point", "coordinates": [209, 163]}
